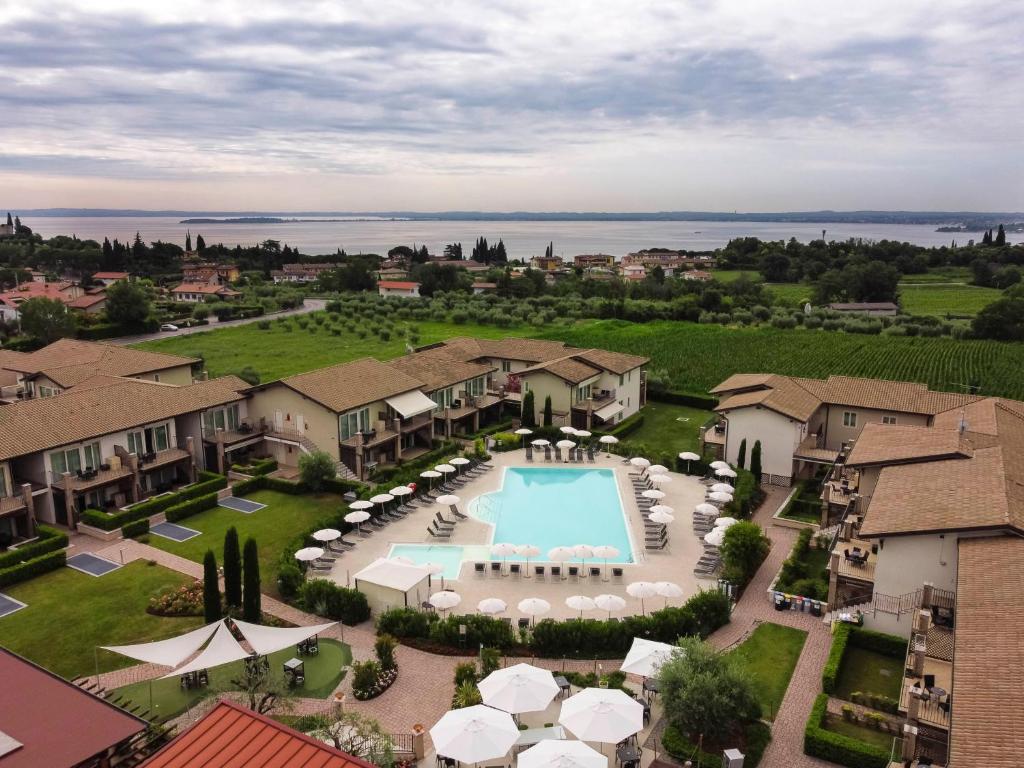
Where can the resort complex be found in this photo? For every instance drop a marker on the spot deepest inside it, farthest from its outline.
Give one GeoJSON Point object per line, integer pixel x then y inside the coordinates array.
{"type": "Point", "coordinates": [843, 547]}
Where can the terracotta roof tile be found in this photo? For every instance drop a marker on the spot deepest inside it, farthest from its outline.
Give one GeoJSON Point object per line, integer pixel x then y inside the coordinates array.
{"type": "Point", "coordinates": [349, 385]}
{"type": "Point", "coordinates": [568, 368]}
{"type": "Point", "coordinates": [988, 713]}
{"type": "Point", "coordinates": [742, 381]}
{"type": "Point", "coordinates": [69, 361]}
{"type": "Point", "coordinates": [783, 395]}
{"type": "Point", "coordinates": [897, 444]}
{"type": "Point", "coordinates": [616, 362]}
{"type": "Point", "coordinates": [436, 368]}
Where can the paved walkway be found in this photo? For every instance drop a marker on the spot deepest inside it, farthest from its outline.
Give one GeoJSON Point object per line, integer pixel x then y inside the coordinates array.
{"type": "Point", "coordinates": [423, 691]}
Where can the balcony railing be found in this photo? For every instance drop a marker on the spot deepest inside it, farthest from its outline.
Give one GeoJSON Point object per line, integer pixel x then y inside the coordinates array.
{"type": "Point", "coordinates": [9, 504]}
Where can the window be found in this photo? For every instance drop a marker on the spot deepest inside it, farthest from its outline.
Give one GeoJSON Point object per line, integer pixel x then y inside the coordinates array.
{"type": "Point", "coordinates": [45, 391]}
{"type": "Point", "coordinates": [92, 455]}
{"type": "Point", "coordinates": [526, 386]}
{"type": "Point", "coordinates": [232, 413]}
{"type": "Point", "coordinates": [354, 422]}
{"type": "Point", "coordinates": [65, 461]}
{"type": "Point", "coordinates": [137, 443]}
{"type": "Point", "coordinates": [849, 419]}
{"type": "Point", "coordinates": [888, 419]}
{"type": "Point", "coordinates": [3, 483]}
{"type": "Point", "coordinates": [622, 379]}
{"type": "Point", "coordinates": [160, 441]}
{"type": "Point", "coordinates": [583, 393]}
{"type": "Point", "coordinates": [156, 377]}
{"type": "Point", "coordinates": [442, 398]}
{"type": "Point", "coordinates": [475, 387]}
{"type": "Point", "coordinates": [506, 366]}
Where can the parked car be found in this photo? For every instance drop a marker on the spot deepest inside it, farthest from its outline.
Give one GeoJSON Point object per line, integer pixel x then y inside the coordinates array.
{"type": "Point", "coordinates": [169, 327]}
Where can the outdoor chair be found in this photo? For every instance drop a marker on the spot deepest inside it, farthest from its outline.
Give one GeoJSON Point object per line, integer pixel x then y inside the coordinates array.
{"type": "Point", "coordinates": [514, 569]}
{"type": "Point", "coordinates": [496, 569]}
{"type": "Point", "coordinates": [929, 682]}
{"type": "Point", "coordinates": [480, 569]}
{"type": "Point", "coordinates": [558, 453]}
{"type": "Point", "coordinates": [656, 545]}
{"type": "Point", "coordinates": [439, 534]}
{"type": "Point", "coordinates": [441, 522]}
{"type": "Point", "coordinates": [595, 571]}
{"type": "Point", "coordinates": [529, 453]}
{"type": "Point", "coordinates": [590, 454]}
{"type": "Point", "coordinates": [556, 571]}
{"type": "Point", "coordinates": [524, 623]}
{"type": "Point", "coordinates": [547, 453]}
{"type": "Point", "coordinates": [538, 571]}
{"type": "Point", "coordinates": [617, 573]}
{"type": "Point", "coordinates": [458, 514]}
{"type": "Point", "coordinates": [574, 572]}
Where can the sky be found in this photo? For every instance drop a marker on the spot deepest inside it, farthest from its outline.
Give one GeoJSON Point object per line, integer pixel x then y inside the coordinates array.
{"type": "Point", "coordinates": [512, 105]}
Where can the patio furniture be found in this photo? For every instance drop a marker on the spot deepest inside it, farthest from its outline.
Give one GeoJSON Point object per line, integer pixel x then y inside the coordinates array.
{"type": "Point", "coordinates": [547, 453]}
{"type": "Point", "coordinates": [556, 570]}
{"type": "Point", "coordinates": [617, 573]}
{"type": "Point", "coordinates": [308, 647]}
{"type": "Point", "coordinates": [627, 754]}
{"type": "Point", "coordinates": [529, 453]}
{"type": "Point", "coordinates": [538, 572]}
{"type": "Point", "coordinates": [558, 453]}
{"type": "Point", "coordinates": [574, 572]}
{"type": "Point", "coordinates": [496, 569]}
{"type": "Point", "coordinates": [563, 685]}
{"type": "Point", "coordinates": [295, 671]}
{"type": "Point", "coordinates": [440, 522]}
{"type": "Point", "coordinates": [514, 569]}
{"type": "Point", "coordinates": [480, 569]}
{"type": "Point", "coordinates": [595, 571]}
{"type": "Point", "coordinates": [532, 736]}
{"type": "Point", "coordinates": [524, 623]}
{"type": "Point", "coordinates": [439, 534]}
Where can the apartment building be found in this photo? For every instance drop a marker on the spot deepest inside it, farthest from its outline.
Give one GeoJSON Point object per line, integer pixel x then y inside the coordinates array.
{"type": "Point", "coordinates": [301, 273]}
{"type": "Point", "coordinates": [594, 261]}
{"type": "Point", "coordinates": [202, 292]}
{"type": "Point", "coordinates": [218, 274]}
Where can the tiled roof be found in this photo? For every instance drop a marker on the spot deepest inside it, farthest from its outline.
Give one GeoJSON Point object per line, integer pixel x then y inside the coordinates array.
{"type": "Point", "coordinates": [230, 736]}
{"type": "Point", "coordinates": [896, 444]}
{"type": "Point", "coordinates": [57, 723]}
{"type": "Point", "coordinates": [742, 381]}
{"type": "Point", "coordinates": [568, 368]}
{"type": "Point", "coordinates": [399, 285]}
{"type": "Point", "coordinates": [110, 276]}
{"type": "Point", "coordinates": [616, 362]}
{"type": "Point", "coordinates": [87, 300]}
{"type": "Point", "coordinates": [348, 385]}
{"type": "Point", "coordinates": [211, 288]}
{"type": "Point", "coordinates": [436, 369]}
{"type": "Point", "coordinates": [92, 411]}
{"type": "Point", "coordinates": [988, 713]}
{"type": "Point", "coordinates": [783, 395]}
{"type": "Point", "coordinates": [511, 348]}
{"type": "Point", "coordinates": [69, 361]}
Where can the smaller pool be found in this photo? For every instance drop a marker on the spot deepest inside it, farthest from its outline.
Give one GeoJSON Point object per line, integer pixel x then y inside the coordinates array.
{"type": "Point", "coordinates": [448, 555]}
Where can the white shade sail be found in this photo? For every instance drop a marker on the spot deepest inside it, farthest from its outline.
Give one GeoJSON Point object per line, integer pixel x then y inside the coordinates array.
{"type": "Point", "coordinates": [170, 652]}
{"type": "Point", "coordinates": [580, 603]}
{"type": "Point", "coordinates": [639, 461]}
{"type": "Point", "coordinates": [609, 602]}
{"type": "Point", "coordinates": [222, 649]}
{"type": "Point", "coordinates": [534, 606]}
{"type": "Point", "coordinates": [653, 493]}
{"type": "Point", "coordinates": [445, 600]}
{"type": "Point", "coordinates": [410, 404]}
{"type": "Point", "coordinates": [606, 715]}
{"type": "Point", "coordinates": [308, 554]}
{"type": "Point", "coordinates": [382, 498]}
{"type": "Point", "coordinates": [361, 504]}
{"type": "Point", "coordinates": [668, 589]}
{"type": "Point", "coordinates": [459, 461]}
{"type": "Point", "coordinates": [568, 753]}
{"type": "Point", "coordinates": [448, 500]}
{"type": "Point", "coordinates": [327, 534]}
{"type": "Point", "coordinates": [524, 431]}
{"type": "Point", "coordinates": [475, 733]}
{"type": "Point", "coordinates": [492, 605]}
{"type": "Point", "coordinates": [267, 640]}
{"type": "Point", "coordinates": [608, 439]}
{"type": "Point", "coordinates": [646, 656]}
{"type": "Point", "coordinates": [360, 516]}
{"type": "Point", "coordinates": [689, 456]}
{"type": "Point", "coordinates": [519, 688]}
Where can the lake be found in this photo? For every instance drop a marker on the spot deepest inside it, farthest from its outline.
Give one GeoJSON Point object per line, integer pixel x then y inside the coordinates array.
{"type": "Point", "coordinates": [523, 239]}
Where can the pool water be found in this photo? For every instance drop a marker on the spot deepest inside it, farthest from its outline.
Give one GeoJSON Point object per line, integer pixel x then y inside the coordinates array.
{"type": "Point", "coordinates": [448, 555]}
{"type": "Point", "coordinates": [553, 507]}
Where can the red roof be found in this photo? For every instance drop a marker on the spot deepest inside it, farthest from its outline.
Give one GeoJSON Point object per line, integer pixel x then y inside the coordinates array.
{"type": "Point", "coordinates": [57, 724]}
{"type": "Point", "coordinates": [203, 288]}
{"type": "Point", "coordinates": [398, 285]}
{"type": "Point", "coordinates": [110, 276]}
{"type": "Point", "coordinates": [231, 736]}
{"type": "Point", "coordinates": [87, 300]}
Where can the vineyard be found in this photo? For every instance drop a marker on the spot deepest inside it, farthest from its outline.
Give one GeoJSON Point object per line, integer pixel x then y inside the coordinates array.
{"type": "Point", "coordinates": [696, 357]}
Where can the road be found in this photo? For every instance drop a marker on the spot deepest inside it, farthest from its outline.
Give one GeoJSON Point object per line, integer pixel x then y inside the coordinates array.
{"type": "Point", "coordinates": [310, 305]}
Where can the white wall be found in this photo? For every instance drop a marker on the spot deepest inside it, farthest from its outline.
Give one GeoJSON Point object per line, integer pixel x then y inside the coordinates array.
{"type": "Point", "coordinates": [778, 434]}
{"type": "Point", "coordinates": [906, 562]}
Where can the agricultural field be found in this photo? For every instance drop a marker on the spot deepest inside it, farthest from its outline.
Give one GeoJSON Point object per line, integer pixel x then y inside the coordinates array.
{"type": "Point", "coordinates": [944, 299]}
{"type": "Point", "coordinates": [793, 295]}
{"type": "Point", "coordinates": [696, 357]}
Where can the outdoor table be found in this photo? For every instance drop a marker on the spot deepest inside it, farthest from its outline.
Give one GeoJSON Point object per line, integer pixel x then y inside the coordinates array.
{"type": "Point", "coordinates": [937, 692]}
{"type": "Point", "coordinates": [651, 685]}
{"type": "Point", "coordinates": [532, 736]}
{"type": "Point", "coordinates": [627, 753]}
{"type": "Point", "coordinates": [562, 683]}
{"type": "Point", "coordinates": [294, 667]}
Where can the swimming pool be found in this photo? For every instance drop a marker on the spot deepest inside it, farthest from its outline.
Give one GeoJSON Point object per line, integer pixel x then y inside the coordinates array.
{"type": "Point", "coordinates": [448, 555]}
{"type": "Point", "coordinates": [553, 507]}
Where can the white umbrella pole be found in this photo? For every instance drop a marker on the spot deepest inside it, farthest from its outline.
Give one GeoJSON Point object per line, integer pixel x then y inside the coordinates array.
{"type": "Point", "coordinates": [527, 574]}
{"type": "Point", "coordinates": [605, 574]}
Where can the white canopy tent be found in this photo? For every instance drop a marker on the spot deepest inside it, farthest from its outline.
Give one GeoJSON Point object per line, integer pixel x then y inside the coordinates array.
{"type": "Point", "coordinates": [389, 584]}
{"type": "Point", "coordinates": [646, 656]}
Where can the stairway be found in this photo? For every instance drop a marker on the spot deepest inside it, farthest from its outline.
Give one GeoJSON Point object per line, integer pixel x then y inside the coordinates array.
{"type": "Point", "coordinates": [345, 473]}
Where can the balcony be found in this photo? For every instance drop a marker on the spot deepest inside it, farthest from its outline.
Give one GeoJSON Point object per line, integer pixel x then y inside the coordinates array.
{"type": "Point", "coordinates": [158, 459]}
{"type": "Point", "coordinates": [370, 439]}
{"type": "Point", "coordinates": [89, 481]}
{"type": "Point", "coordinates": [855, 560]}
{"type": "Point", "coordinates": [812, 448]}
{"type": "Point", "coordinates": [596, 400]}
{"type": "Point", "coordinates": [247, 429]}
{"type": "Point", "coordinates": [416, 422]}
{"type": "Point", "coordinates": [10, 505]}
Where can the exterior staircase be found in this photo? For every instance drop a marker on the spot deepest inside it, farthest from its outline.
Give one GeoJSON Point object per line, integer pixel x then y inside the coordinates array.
{"type": "Point", "coordinates": [345, 473]}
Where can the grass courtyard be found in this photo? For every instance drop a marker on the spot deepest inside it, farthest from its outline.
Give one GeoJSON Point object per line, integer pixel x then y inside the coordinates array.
{"type": "Point", "coordinates": [69, 613]}
{"type": "Point", "coordinates": [670, 428]}
{"type": "Point", "coordinates": [323, 672]}
{"type": "Point", "coordinates": [284, 517]}
{"type": "Point", "coordinates": [768, 657]}
{"type": "Point", "coordinates": [872, 736]}
{"type": "Point", "coordinates": [869, 672]}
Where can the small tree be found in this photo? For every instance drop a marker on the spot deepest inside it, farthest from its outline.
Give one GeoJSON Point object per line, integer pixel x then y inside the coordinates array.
{"type": "Point", "coordinates": [741, 457]}
{"type": "Point", "coordinates": [264, 690]}
{"type": "Point", "coordinates": [251, 585]}
{"type": "Point", "coordinates": [355, 735]}
{"type": "Point", "coordinates": [232, 569]}
{"type": "Point", "coordinates": [46, 319]}
{"type": "Point", "coordinates": [743, 550]}
{"type": "Point", "coordinates": [200, 311]}
{"type": "Point", "coordinates": [128, 305]}
{"type": "Point", "coordinates": [529, 417]}
{"type": "Point", "coordinates": [466, 695]}
{"type": "Point", "coordinates": [384, 647]}
{"type": "Point", "coordinates": [547, 411]}
{"type": "Point", "coordinates": [211, 589]}
{"type": "Point", "coordinates": [755, 462]}
{"type": "Point", "coordinates": [316, 468]}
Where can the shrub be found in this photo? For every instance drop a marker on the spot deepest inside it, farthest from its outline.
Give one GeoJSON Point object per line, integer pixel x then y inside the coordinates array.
{"type": "Point", "coordinates": [251, 582]}
{"type": "Point", "coordinates": [405, 622]}
{"type": "Point", "coordinates": [384, 647]}
{"type": "Point", "coordinates": [316, 468]}
{"type": "Point", "coordinates": [887, 645]}
{"type": "Point", "coordinates": [48, 540]}
{"type": "Point", "coordinates": [327, 599]}
{"type": "Point", "coordinates": [837, 748]}
{"type": "Point", "coordinates": [191, 507]}
{"type": "Point", "coordinates": [830, 673]}
{"type": "Point", "coordinates": [289, 580]}
{"type": "Point", "coordinates": [465, 672]}
{"type": "Point", "coordinates": [364, 675]}
{"type": "Point", "coordinates": [135, 528]}
{"type": "Point", "coordinates": [23, 571]}
{"type": "Point", "coordinates": [743, 550]}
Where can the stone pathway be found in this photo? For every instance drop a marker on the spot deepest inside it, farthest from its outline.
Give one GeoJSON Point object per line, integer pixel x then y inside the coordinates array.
{"type": "Point", "coordinates": [423, 691]}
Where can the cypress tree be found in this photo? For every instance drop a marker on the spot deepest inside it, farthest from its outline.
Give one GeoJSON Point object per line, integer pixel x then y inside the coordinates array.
{"type": "Point", "coordinates": [529, 417]}
{"type": "Point", "coordinates": [741, 457]}
{"type": "Point", "coordinates": [547, 411]}
{"type": "Point", "coordinates": [755, 462]}
{"type": "Point", "coordinates": [10, 221]}
{"type": "Point", "coordinates": [251, 596]}
{"type": "Point", "coordinates": [188, 240]}
{"type": "Point", "coordinates": [200, 243]}
{"type": "Point", "coordinates": [211, 589]}
{"type": "Point", "coordinates": [1000, 235]}
{"type": "Point", "coordinates": [232, 569]}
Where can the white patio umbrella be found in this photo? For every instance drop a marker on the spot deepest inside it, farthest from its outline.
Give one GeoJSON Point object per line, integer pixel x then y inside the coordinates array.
{"type": "Point", "coordinates": [668, 589]}
{"type": "Point", "coordinates": [327, 534]}
{"type": "Point", "coordinates": [491, 606]}
{"type": "Point", "coordinates": [540, 442]}
{"type": "Point", "coordinates": [640, 461]}
{"type": "Point", "coordinates": [527, 551]}
{"type": "Point", "coordinates": [583, 552]}
{"type": "Point", "coordinates": [606, 552]}
{"type": "Point", "coordinates": [646, 656]}
{"type": "Point", "coordinates": [519, 688]}
{"type": "Point", "coordinates": [361, 504]}
{"type": "Point", "coordinates": [580, 603]}
{"type": "Point", "coordinates": [400, 491]}
{"type": "Point", "coordinates": [458, 462]}
{"type": "Point", "coordinates": [719, 464]}
{"type": "Point", "coordinates": [706, 509]}
{"type": "Point", "coordinates": [722, 488]}
{"type": "Point", "coordinates": [382, 499]}
{"type": "Point", "coordinates": [722, 498]}
{"type": "Point", "coordinates": [662, 508]}
{"type": "Point", "coordinates": [607, 715]}
{"type": "Point", "coordinates": [309, 554]}
{"type": "Point", "coordinates": [609, 603]}
{"type": "Point", "coordinates": [534, 607]}
{"type": "Point", "coordinates": [653, 493]}
{"type": "Point", "coordinates": [567, 430]}
{"type": "Point", "coordinates": [715, 537]}
{"type": "Point", "coordinates": [582, 434]}
{"type": "Point", "coordinates": [642, 590]}
{"type": "Point", "coordinates": [436, 569]}
{"type": "Point", "coordinates": [608, 441]}
{"type": "Point", "coordinates": [557, 753]}
{"type": "Point", "coordinates": [566, 445]}
{"type": "Point", "coordinates": [725, 522]}
{"type": "Point", "coordinates": [659, 479]}
{"type": "Point", "coordinates": [688, 456]}
{"type": "Point", "coordinates": [474, 734]}
{"type": "Point", "coordinates": [561, 555]}
{"type": "Point", "coordinates": [444, 601]}
{"type": "Point", "coordinates": [402, 559]}
{"type": "Point", "coordinates": [449, 500]}
{"type": "Point", "coordinates": [663, 518]}
{"type": "Point", "coordinates": [657, 469]}
{"type": "Point", "coordinates": [445, 469]}
{"type": "Point", "coordinates": [523, 432]}
{"type": "Point", "coordinates": [725, 472]}
{"type": "Point", "coordinates": [358, 517]}
{"type": "Point", "coordinates": [431, 475]}
{"type": "Point", "coordinates": [503, 550]}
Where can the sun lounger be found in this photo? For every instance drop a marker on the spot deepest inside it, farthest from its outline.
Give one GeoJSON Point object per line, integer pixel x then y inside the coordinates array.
{"type": "Point", "coordinates": [590, 454]}
{"type": "Point", "coordinates": [574, 572]}
{"type": "Point", "coordinates": [558, 453]}
{"type": "Point", "coordinates": [617, 573]}
{"type": "Point", "coordinates": [514, 569]}
{"type": "Point", "coordinates": [378, 521]}
{"type": "Point", "coordinates": [440, 522]}
{"type": "Point", "coordinates": [480, 569]}
{"type": "Point", "coordinates": [496, 568]}
{"type": "Point", "coordinates": [458, 514]}
{"type": "Point", "coordinates": [538, 572]}
{"type": "Point", "coordinates": [556, 570]}
{"type": "Point", "coordinates": [547, 453]}
{"type": "Point", "coordinates": [439, 534]}
{"type": "Point", "coordinates": [656, 545]}
{"type": "Point", "coordinates": [529, 453]}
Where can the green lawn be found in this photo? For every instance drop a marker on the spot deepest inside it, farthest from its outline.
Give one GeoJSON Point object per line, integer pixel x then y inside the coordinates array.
{"type": "Point", "coordinates": [670, 428]}
{"type": "Point", "coordinates": [69, 613]}
{"type": "Point", "coordinates": [284, 517]}
{"type": "Point", "coordinates": [860, 732]}
{"type": "Point", "coordinates": [275, 353]}
{"type": "Point", "coordinates": [942, 300]}
{"type": "Point", "coordinates": [768, 657]}
{"type": "Point", "coordinates": [729, 275]}
{"type": "Point", "coordinates": [323, 672]}
{"type": "Point", "coordinates": [805, 505]}
{"type": "Point", "coordinates": [793, 295]}
{"type": "Point", "coordinates": [869, 672]}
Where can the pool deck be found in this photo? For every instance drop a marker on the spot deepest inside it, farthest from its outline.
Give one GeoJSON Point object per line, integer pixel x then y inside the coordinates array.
{"type": "Point", "coordinates": [675, 563]}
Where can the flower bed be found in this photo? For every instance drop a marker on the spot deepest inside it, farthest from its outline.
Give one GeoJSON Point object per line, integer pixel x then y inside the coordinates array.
{"type": "Point", "coordinates": [369, 681]}
{"type": "Point", "coordinates": [186, 600]}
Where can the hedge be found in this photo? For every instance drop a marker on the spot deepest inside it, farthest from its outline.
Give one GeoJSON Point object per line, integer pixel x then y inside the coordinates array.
{"type": "Point", "coordinates": [837, 748]}
{"type": "Point", "coordinates": [111, 330]}
{"type": "Point", "coordinates": [327, 599]}
{"type": "Point", "coordinates": [135, 528]}
{"type": "Point", "coordinates": [879, 642]}
{"type": "Point", "coordinates": [758, 735]}
{"type": "Point", "coordinates": [208, 481]}
{"type": "Point", "coordinates": [51, 561]}
{"type": "Point", "coordinates": [47, 540]}
{"type": "Point", "coordinates": [258, 467]}
{"type": "Point", "coordinates": [408, 623]}
{"type": "Point", "coordinates": [190, 507]}
{"type": "Point", "coordinates": [625, 427]}
{"type": "Point", "coordinates": [829, 675]}
{"type": "Point", "coordinates": [704, 402]}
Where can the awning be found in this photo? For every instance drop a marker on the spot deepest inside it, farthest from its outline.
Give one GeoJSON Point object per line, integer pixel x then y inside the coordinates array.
{"type": "Point", "coordinates": [409, 404]}
{"type": "Point", "coordinates": [608, 411]}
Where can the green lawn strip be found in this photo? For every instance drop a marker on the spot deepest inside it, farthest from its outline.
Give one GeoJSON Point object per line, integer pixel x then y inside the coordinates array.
{"type": "Point", "coordinates": [284, 517]}
{"type": "Point", "coordinates": [323, 672]}
{"type": "Point", "coordinates": [672, 428]}
{"type": "Point", "coordinates": [805, 505]}
{"type": "Point", "coordinates": [940, 300]}
{"type": "Point", "coordinates": [768, 658]}
{"type": "Point", "coordinates": [70, 613]}
{"type": "Point", "coordinates": [275, 353]}
{"type": "Point", "coordinates": [860, 732]}
{"type": "Point", "coordinates": [869, 672]}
